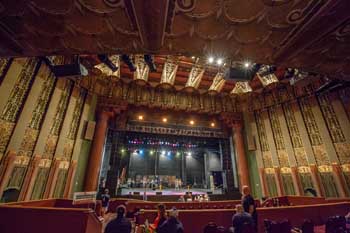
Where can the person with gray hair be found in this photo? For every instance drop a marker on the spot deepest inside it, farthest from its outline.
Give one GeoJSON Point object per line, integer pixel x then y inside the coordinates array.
{"type": "Point", "coordinates": [119, 224]}
{"type": "Point", "coordinates": [240, 219]}
{"type": "Point", "coordinates": [172, 224]}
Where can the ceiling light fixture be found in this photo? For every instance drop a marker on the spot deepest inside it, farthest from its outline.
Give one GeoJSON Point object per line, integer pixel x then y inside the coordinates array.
{"type": "Point", "coordinates": [140, 117]}
{"type": "Point", "coordinates": [211, 59]}
{"type": "Point", "coordinates": [165, 119]}
{"type": "Point", "coordinates": [219, 61]}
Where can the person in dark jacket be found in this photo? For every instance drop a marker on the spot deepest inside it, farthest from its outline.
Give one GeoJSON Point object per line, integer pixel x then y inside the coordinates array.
{"type": "Point", "coordinates": [105, 201]}
{"type": "Point", "coordinates": [119, 224]}
{"type": "Point", "coordinates": [248, 203]}
{"type": "Point", "coordinates": [241, 218]}
{"type": "Point", "coordinates": [172, 224]}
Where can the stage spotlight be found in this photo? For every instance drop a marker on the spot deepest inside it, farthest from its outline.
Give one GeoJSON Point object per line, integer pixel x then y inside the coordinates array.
{"type": "Point", "coordinates": [163, 152]}
{"type": "Point", "coordinates": [149, 61]}
{"type": "Point", "coordinates": [178, 153]}
{"type": "Point", "coordinates": [169, 153]}
{"type": "Point", "coordinates": [105, 59]}
{"type": "Point", "coordinates": [151, 152]}
{"type": "Point", "coordinates": [141, 152]}
{"type": "Point", "coordinates": [126, 59]}
{"type": "Point", "coordinates": [165, 119]}
{"type": "Point", "coordinates": [219, 61]}
{"type": "Point", "coordinates": [212, 124]}
{"type": "Point", "coordinates": [140, 117]}
{"type": "Point", "coordinates": [246, 64]}
{"type": "Point", "coordinates": [189, 154]}
{"type": "Point", "coordinates": [211, 59]}
{"type": "Point", "coordinates": [191, 122]}
{"type": "Point", "coordinates": [122, 150]}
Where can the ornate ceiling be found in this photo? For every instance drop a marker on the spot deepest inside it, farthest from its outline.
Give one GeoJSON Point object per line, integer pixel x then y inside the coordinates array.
{"type": "Point", "coordinates": [309, 34]}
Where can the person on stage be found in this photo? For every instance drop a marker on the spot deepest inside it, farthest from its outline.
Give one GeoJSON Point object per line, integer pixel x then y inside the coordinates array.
{"type": "Point", "coordinates": [248, 203]}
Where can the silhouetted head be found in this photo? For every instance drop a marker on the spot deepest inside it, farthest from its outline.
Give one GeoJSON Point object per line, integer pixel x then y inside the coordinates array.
{"type": "Point", "coordinates": [161, 209]}
{"type": "Point", "coordinates": [121, 209]}
{"type": "Point", "coordinates": [106, 191]}
{"type": "Point", "coordinates": [245, 190]}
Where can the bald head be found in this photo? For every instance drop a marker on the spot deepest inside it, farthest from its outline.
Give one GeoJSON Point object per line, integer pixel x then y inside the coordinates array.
{"type": "Point", "coordinates": [239, 208]}
{"type": "Point", "coordinates": [245, 190]}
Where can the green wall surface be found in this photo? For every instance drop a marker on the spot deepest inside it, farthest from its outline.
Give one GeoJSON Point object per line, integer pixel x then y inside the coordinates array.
{"type": "Point", "coordinates": [84, 153]}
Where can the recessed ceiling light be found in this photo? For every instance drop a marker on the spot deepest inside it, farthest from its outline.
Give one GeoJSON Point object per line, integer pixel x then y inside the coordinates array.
{"type": "Point", "coordinates": [219, 61]}
{"type": "Point", "coordinates": [192, 122]}
{"type": "Point", "coordinates": [212, 124]}
{"type": "Point", "coordinates": [165, 119]}
{"type": "Point", "coordinates": [210, 59]}
{"type": "Point", "coordinates": [140, 117]}
{"type": "Point", "coordinates": [246, 64]}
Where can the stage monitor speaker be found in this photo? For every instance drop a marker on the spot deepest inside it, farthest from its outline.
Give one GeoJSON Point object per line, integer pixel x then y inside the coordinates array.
{"type": "Point", "coordinates": [90, 130]}
{"type": "Point", "coordinates": [188, 193]}
{"type": "Point", "coordinates": [158, 193]}
{"type": "Point", "coordinates": [136, 193]}
{"type": "Point", "coordinates": [209, 193]}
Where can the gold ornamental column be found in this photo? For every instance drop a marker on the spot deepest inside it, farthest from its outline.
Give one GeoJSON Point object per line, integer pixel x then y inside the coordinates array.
{"type": "Point", "coordinates": [278, 178]}
{"type": "Point", "coordinates": [316, 180]}
{"type": "Point", "coordinates": [264, 189]}
{"type": "Point", "coordinates": [51, 182]}
{"type": "Point", "coordinates": [70, 179]}
{"type": "Point", "coordinates": [29, 179]}
{"type": "Point", "coordinates": [8, 166]}
{"type": "Point", "coordinates": [96, 151]}
{"type": "Point", "coordinates": [296, 181]}
{"type": "Point", "coordinates": [339, 179]}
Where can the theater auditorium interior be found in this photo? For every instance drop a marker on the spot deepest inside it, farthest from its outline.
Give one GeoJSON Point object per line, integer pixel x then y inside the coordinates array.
{"type": "Point", "coordinates": [174, 102]}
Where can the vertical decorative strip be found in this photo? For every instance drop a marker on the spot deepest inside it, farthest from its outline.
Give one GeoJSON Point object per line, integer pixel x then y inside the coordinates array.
{"type": "Point", "coordinates": [294, 133]}
{"type": "Point", "coordinates": [33, 128]}
{"type": "Point", "coordinates": [4, 66]}
{"type": "Point", "coordinates": [278, 137]}
{"type": "Point", "coordinates": [16, 101]}
{"type": "Point", "coordinates": [266, 155]}
{"type": "Point", "coordinates": [313, 132]}
{"type": "Point", "coordinates": [73, 128]}
{"type": "Point", "coordinates": [342, 148]}
{"type": "Point", "coordinates": [51, 141]}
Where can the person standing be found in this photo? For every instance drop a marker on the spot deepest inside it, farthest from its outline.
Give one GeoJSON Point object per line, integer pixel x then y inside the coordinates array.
{"type": "Point", "coordinates": [248, 203]}
{"type": "Point", "coordinates": [120, 224]}
{"type": "Point", "coordinates": [172, 224]}
{"type": "Point", "coordinates": [105, 201]}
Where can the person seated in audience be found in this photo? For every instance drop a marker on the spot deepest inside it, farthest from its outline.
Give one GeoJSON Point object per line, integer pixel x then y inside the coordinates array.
{"type": "Point", "coordinates": [347, 217]}
{"type": "Point", "coordinates": [181, 199]}
{"type": "Point", "coordinates": [248, 203]}
{"type": "Point", "coordinates": [172, 224]}
{"type": "Point", "coordinates": [105, 201]}
{"type": "Point", "coordinates": [161, 217]}
{"type": "Point", "coordinates": [241, 218]}
{"type": "Point", "coordinates": [120, 224]}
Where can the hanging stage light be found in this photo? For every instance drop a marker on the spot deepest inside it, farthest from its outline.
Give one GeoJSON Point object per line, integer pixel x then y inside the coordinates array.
{"type": "Point", "coordinates": [105, 59]}
{"type": "Point", "coordinates": [149, 61]}
{"type": "Point", "coordinates": [126, 59]}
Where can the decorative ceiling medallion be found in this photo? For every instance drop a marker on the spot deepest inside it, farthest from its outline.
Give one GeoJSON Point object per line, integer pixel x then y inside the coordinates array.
{"type": "Point", "coordinates": [325, 168]}
{"type": "Point", "coordinates": [218, 83]}
{"type": "Point", "coordinates": [195, 76]}
{"type": "Point", "coordinates": [169, 72]}
{"type": "Point", "coordinates": [142, 69]}
{"type": "Point", "coordinates": [267, 79]}
{"type": "Point", "coordinates": [106, 70]}
{"type": "Point", "coordinates": [241, 88]}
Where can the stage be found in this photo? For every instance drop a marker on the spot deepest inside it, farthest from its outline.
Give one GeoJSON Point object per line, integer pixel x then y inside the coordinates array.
{"type": "Point", "coordinates": [169, 192]}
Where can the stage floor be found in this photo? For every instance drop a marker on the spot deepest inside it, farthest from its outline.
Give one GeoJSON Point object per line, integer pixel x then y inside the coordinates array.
{"type": "Point", "coordinates": [150, 192]}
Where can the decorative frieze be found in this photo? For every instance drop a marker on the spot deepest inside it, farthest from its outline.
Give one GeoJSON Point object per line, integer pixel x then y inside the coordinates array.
{"type": "Point", "coordinates": [325, 168]}
{"type": "Point", "coordinates": [241, 88]}
{"type": "Point", "coordinates": [343, 152]}
{"type": "Point", "coordinates": [195, 76]}
{"type": "Point", "coordinates": [142, 69]}
{"type": "Point", "coordinates": [267, 159]}
{"type": "Point", "coordinates": [292, 126]}
{"type": "Point", "coordinates": [304, 169]}
{"type": "Point", "coordinates": [218, 83]}
{"type": "Point", "coordinates": [276, 129]}
{"type": "Point", "coordinates": [300, 156]}
{"type": "Point", "coordinates": [169, 72]}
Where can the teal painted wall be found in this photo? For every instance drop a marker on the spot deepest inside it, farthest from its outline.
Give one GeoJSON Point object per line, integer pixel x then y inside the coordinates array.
{"type": "Point", "coordinates": [84, 153]}
{"type": "Point", "coordinates": [252, 165]}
